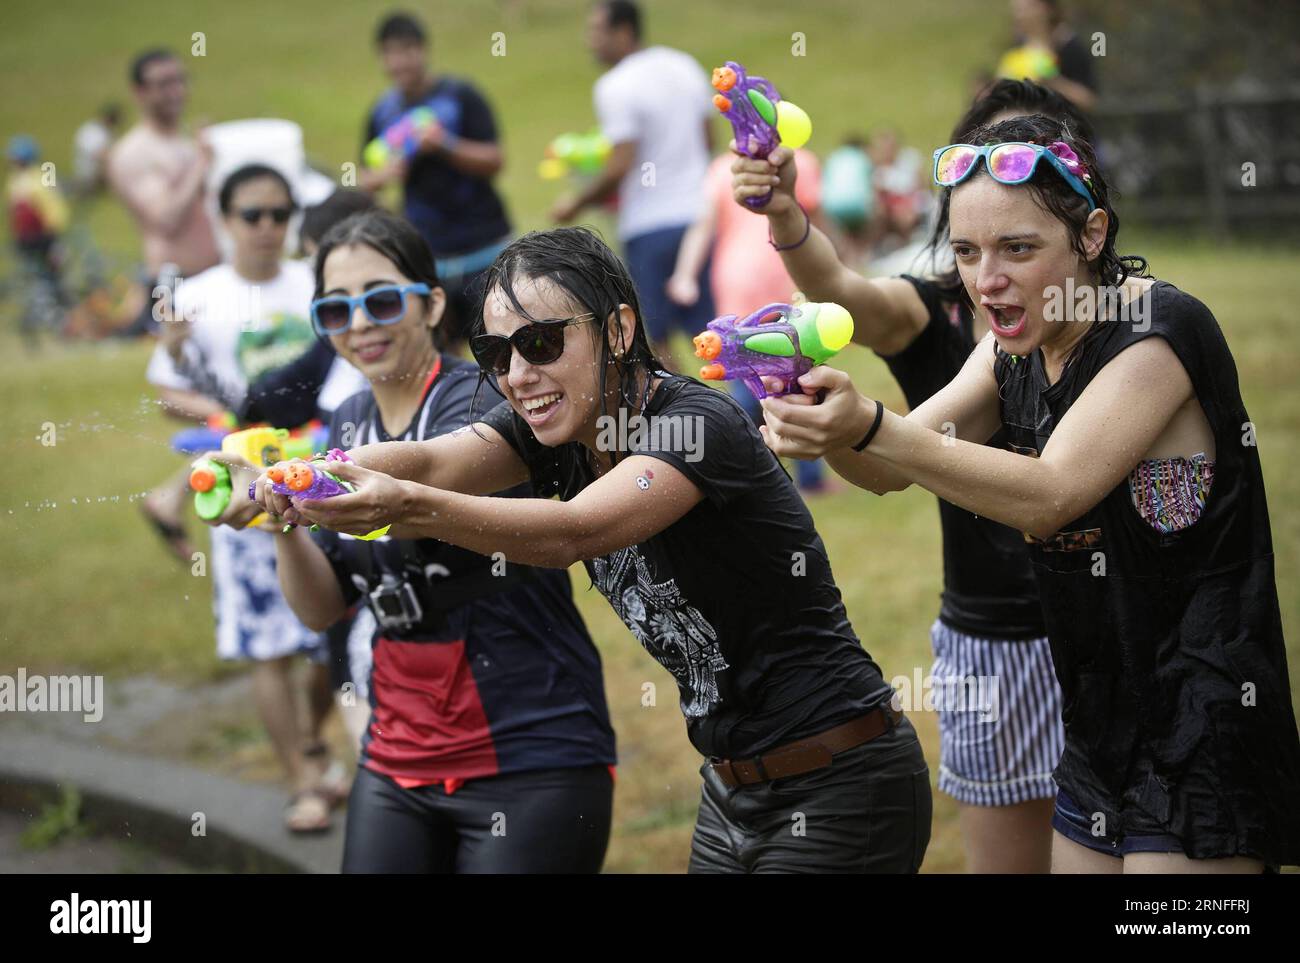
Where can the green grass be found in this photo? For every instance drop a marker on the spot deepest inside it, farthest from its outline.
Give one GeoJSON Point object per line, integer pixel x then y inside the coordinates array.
{"type": "Point", "coordinates": [82, 582]}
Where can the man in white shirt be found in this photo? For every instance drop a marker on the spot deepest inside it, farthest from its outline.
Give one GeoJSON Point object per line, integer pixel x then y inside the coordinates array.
{"type": "Point", "coordinates": [654, 106]}
{"type": "Point", "coordinates": [242, 319]}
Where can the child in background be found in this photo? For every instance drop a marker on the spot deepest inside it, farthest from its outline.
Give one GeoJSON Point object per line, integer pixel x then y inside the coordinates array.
{"type": "Point", "coordinates": [37, 216]}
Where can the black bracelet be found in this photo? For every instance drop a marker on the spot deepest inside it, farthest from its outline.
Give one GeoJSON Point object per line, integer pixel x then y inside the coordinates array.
{"type": "Point", "coordinates": [875, 427]}
{"type": "Point", "coordinates": [807, 230]}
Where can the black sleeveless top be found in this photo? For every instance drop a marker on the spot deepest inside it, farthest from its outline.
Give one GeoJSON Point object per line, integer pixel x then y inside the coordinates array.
{"type": "Point", "coordinates": [1169, 648]}
{"type": "Point", "coordinates": [988, 584]}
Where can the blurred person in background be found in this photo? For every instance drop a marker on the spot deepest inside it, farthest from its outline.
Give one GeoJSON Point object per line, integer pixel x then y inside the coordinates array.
{"type": "Point", "coordinates": [244, 318]}
{"type": "Point", "coordinates": [1050, 53]}
{"type": "Point", "coordinates": [446, 181]}
{"type": "Point", "coordinates": [38, 215]}
{"type": "Point", "coordinates": [159, 173]}
{"type": "Point", "coordinates": [848, 197]}
{"type": "Point", "coordinates": [90, 146]}
{"type": "Point", "coordinates": [657, 165]}
{"type": "Point", "coordinates": [902, 196]}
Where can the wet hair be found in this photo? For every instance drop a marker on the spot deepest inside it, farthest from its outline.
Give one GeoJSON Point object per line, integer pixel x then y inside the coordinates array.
{"type": "Point", "coordinates": [1023, 97]}
{"type": "Point", "coordinates": [142, 61]}
{"type": "Point", "coordinates": [623, 13]}
{"type": "Point", "coordinates": [393, 237]}
{"type": "Point", "coordinates": [318, 219]}
{"type": "Point", "coordinates": [594, 279]}
{"type": "Point", "coordinates": [1054, 196]}
{"type": "Point", "coordinates": [249, 172]}
{"type": "Point", "coordinates": [400, 26]}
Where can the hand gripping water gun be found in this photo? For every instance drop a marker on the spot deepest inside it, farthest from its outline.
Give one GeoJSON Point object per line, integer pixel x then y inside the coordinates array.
{"type": "Point", "coordinates": [778, 340]}
{"type": "Point", "coordinates": [401, 137]}
{"type": "Point", "coordinates": [302, 480]}
{"type": "Point", "coordinates": [582, 154]}
{"type": "Point", "coordinates": [210, 480]}
{"type": "Point", "coordinates": [760, 119]}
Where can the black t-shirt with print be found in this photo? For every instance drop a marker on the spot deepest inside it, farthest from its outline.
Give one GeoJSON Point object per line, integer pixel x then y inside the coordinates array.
{"type": "Point", "coordinates": [988, 583]}
{"type": "Point", "coordinates": [1168, 646]}
{"type": "Point", "coordinates": [736, 598]}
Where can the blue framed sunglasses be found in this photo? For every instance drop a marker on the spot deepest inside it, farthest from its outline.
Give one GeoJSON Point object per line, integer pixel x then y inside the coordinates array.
{"type": "Point", "coordinates": [1011, 163]}
{"type": "Point", "coordinates": [383, 305]}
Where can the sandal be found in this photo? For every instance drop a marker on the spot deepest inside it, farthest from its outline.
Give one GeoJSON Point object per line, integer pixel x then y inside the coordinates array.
{"type": "Point", "coordinates": [335, 782]}
{"type": "Point", "coordinates": [308, 812]}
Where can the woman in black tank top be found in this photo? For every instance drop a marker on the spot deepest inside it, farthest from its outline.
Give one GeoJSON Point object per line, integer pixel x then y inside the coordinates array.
{"type": "Point", "coordinates": [1144, 508]}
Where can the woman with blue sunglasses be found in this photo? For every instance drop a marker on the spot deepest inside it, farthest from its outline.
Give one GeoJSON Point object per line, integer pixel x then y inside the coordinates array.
{"type": "Point", "coordinates": [1142, 499]}
{"type": "Point", "coordinates": [489, 747]}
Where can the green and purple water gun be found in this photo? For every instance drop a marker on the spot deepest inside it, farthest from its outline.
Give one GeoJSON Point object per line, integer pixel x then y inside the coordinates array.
{"type": "Point", "coordinates": [776, 341]}
{"type": "Point", "coordinates": [760, 119]}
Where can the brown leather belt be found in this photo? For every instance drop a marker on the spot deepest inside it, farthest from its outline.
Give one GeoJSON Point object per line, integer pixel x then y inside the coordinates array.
{"type": "Point", "coordinates": [805, 755]}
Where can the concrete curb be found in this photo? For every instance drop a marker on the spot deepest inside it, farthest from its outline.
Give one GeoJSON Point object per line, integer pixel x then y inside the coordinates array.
{"type": "Point", "coordinates": [153, 803]}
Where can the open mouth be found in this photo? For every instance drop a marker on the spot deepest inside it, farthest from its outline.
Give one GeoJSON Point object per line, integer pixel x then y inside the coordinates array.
{"type": "Point", "coordinates": [1006, 320]}
{"type": "Point", "coordinates": [372, 351]}
{"type": "Point", "coordinates": [539, 408]}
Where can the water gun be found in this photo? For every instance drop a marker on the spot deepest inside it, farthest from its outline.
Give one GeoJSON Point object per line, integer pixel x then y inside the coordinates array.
{"type": "Point", "coordinates": [192, 441]}
{"type": "Point", "coordinates": [760, 119]}
{"type": "Point", "coordinates": [401, 137]}
{"type": "Point", "coordinates": [583, 154]}
{"type": "Point", "coordinates": [210, 480]}
{"type": "Point", "coordinates": [303, 480]}
{"type": "Point", "coordinates": [778, 340]}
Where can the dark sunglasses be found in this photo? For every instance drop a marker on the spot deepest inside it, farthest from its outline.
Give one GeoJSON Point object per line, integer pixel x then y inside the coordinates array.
{"type": "Point", "coordinates": [254, 215]}
{"type": "Point", "coordinates": [383, 305]}
{"type": "Point", "coordinates": [538, 343]}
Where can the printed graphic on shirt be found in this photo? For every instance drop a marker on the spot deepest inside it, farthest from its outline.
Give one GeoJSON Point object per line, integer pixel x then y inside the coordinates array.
{"type": "Point", "coordinates": [674, 632]}
{"type": "Point", "coordinates": [279, 339]}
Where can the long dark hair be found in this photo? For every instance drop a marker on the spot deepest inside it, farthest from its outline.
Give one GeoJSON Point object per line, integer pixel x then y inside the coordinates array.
{"type": "Point", "coordinates": [391, 236]}
{"type": "Point", "coordinates": [594, 279]}
{"type": "Point", "coordinates": [1022, 97]}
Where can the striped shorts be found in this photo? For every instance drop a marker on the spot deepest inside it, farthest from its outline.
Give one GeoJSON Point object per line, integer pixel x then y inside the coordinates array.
{"type": "Point", "coordinates": [999, 706]}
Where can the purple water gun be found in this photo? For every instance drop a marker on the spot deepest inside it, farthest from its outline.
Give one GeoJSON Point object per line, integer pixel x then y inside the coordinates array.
{"type": "Point", "coordinates": [777, 341]}
{"type": "Point", "coordinates": [309, 480]}
{"type": "Point", "coordinates": [760, 119]}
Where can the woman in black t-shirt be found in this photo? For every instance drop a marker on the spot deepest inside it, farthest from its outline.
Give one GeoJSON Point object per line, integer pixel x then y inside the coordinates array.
{"type": "Point", "coordinates": [695, 535]}
{"type": "Point", "coordinates": [996, 751]}
{"type": "Point", "coordinates": [1143, 503]}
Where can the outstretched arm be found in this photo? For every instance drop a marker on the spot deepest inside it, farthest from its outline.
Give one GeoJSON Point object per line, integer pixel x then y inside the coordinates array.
{"type": "Point", "coordinates": [475, 460]}
{"type": "Point", "coordinates": [622, 508]}
{"type": "Point", "coordinates": [1099, 441]}
{"type": "Point", "coordinates": [887, 312]}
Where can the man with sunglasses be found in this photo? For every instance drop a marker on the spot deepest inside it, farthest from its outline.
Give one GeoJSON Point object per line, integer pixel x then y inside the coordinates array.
{"type": "Point", "coordinates": [242, 319]}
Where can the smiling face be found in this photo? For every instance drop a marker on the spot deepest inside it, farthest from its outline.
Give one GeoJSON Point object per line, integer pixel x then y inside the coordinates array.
{"type": "Point", "coordinates": [386, 352]}
{"type": "Point", "coordinates": [560, 400]}
{"type": "Point", "coordinates": [1012, 256]}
